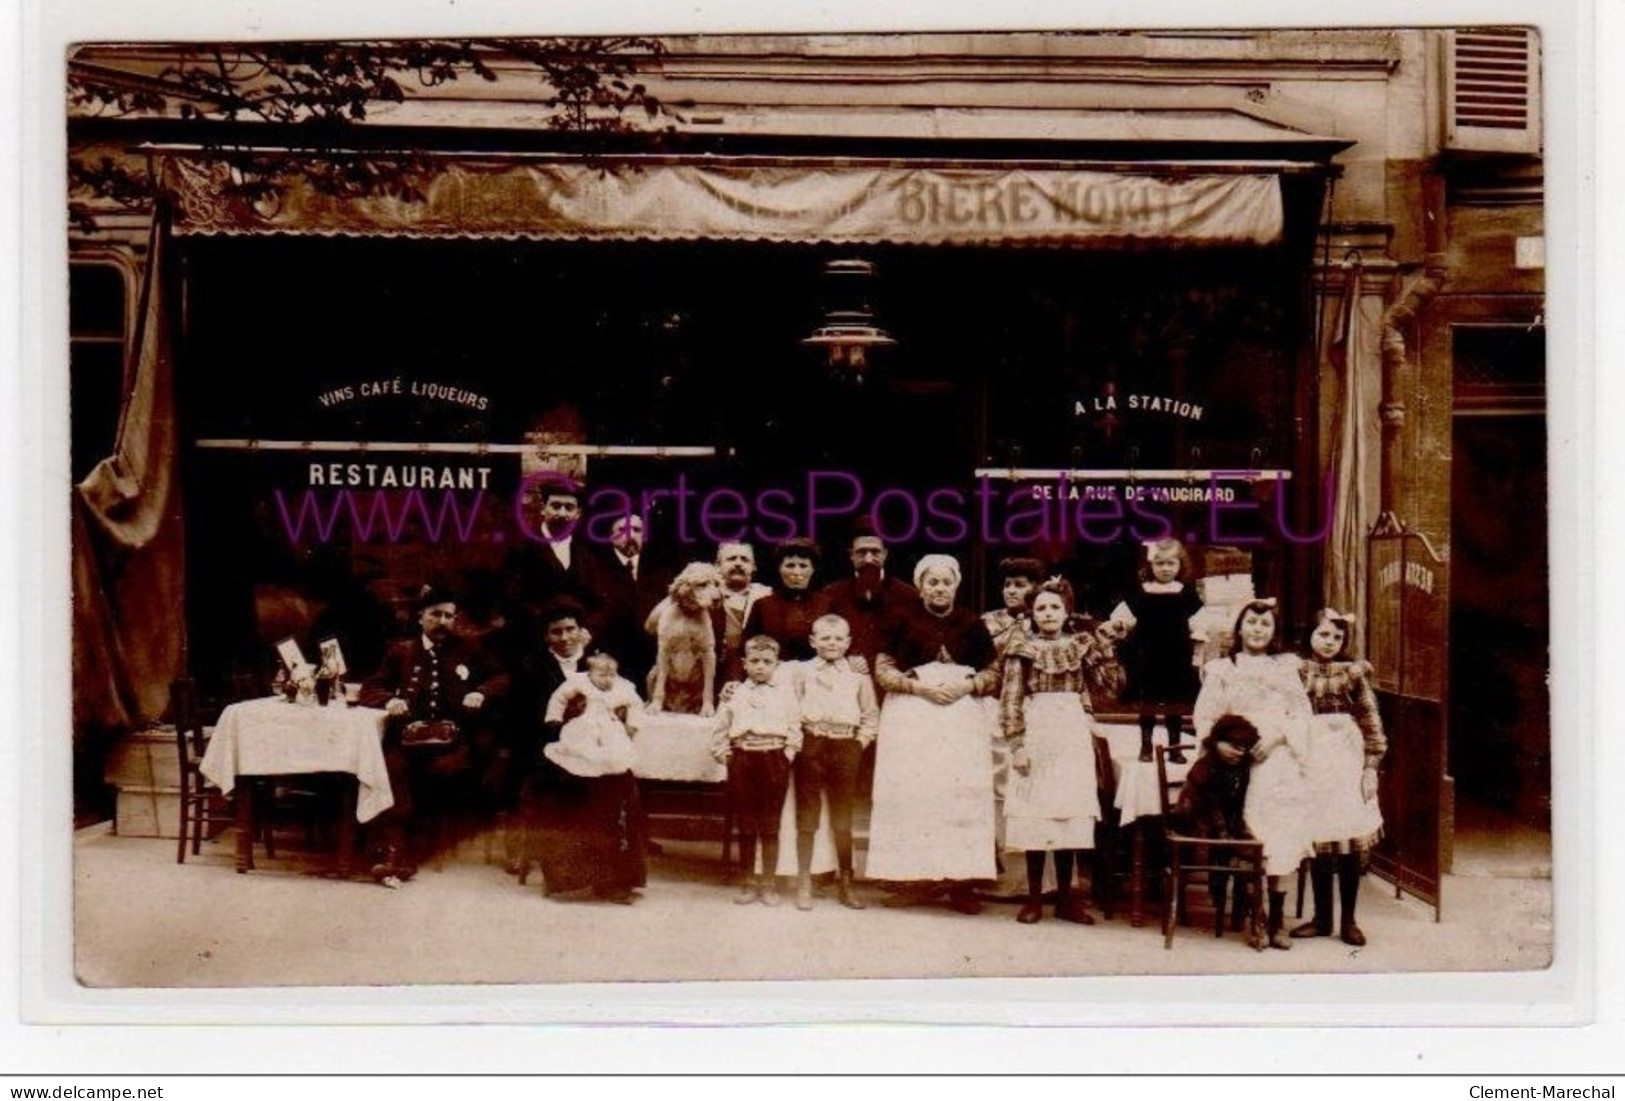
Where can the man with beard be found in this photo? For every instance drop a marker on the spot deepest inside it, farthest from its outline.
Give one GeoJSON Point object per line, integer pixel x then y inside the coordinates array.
{"type": "Point", "coordinates": [438, 694]}
{"type": "Point", "coordinates": [870, 595]}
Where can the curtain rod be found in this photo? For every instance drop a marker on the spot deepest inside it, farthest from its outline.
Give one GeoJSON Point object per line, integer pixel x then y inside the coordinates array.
{"type": "Point", "coordinates": [441, 448]}
{"type": "Point", "coordinates": [1029, 474]}
{"type": "Point", "coordinates": [759, 160]}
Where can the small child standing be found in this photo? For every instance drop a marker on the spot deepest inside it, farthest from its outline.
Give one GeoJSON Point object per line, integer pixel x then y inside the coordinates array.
{"type": "Point", "coordinates": [839, 715]}
{"type": "Point", "coordinates": [1051, 804]}
{"type": "Point", "coordinates": [1162, 675]}
{"type": "Point", "coordinates": [1346, 744]}
{"type": "Point", "coordinates": [757, 735]}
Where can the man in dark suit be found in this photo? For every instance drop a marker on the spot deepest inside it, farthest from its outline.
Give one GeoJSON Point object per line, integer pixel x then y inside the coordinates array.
{"type": "Point", "coordinates": [556, 559]}
{"type": "Point", "coordinates": [440, 695]}
{"type": "Point", "coordinates": [628, 586]}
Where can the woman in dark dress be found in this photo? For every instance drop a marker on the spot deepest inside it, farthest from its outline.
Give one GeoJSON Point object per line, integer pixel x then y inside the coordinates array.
{"type": "Point", "coordinates": [786, 616]}
{"type": "Point", "coordinates": [589, 823]}
{"type": "Point", "coordinates": [933, 819]}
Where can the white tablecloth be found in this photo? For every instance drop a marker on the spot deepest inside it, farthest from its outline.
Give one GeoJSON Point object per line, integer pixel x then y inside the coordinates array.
{"type": "Point", "coordinates": [272, 737]}
{"type": "Point", "coordinates": [1136, 779]}
{"type": "Point", "coordinates": [676, 747]}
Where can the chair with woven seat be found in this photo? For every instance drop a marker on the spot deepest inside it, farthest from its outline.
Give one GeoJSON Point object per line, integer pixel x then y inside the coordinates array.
{"type": "Point", "coordinates": [1207, 862]}
{"type": "Point", "coordinates": [202, 804]}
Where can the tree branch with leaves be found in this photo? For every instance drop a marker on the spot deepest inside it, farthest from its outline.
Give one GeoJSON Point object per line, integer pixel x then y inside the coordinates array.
{"type": "Point", "coordinates": [299, 108]}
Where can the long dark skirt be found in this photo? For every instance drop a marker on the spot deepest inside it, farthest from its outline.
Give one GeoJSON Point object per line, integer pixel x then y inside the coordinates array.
{"type": "Point", "coordinates": [589, 832]}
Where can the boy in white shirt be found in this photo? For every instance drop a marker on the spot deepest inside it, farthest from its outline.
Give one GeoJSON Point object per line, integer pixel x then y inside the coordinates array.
{"type": "Point", "coordinates": [839, 715]}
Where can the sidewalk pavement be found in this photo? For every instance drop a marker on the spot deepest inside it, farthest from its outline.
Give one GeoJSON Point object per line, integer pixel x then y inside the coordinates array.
{"type": "Point", "coordinates": [141, 920]}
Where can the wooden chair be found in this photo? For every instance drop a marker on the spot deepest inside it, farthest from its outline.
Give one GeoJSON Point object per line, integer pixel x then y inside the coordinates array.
{"type": "Point", "coordinates": [1199, 861]}
{"type": "Point", "coordinates": [202, 804]}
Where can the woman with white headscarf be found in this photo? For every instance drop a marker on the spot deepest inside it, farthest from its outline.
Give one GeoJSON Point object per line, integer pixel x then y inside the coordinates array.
{"type": "Point", "coordinates": [932, 825]}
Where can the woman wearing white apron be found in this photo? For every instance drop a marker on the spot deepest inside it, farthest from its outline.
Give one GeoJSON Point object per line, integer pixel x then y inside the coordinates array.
{"type": "Point", "coordinates": [1346, 744]}
{"type": "Point", "coordinates": [1262, 686]}
{"type": "Point", "coordinates": [1051, 803]}
{"type": "Point", "coordinates": [932, 825]}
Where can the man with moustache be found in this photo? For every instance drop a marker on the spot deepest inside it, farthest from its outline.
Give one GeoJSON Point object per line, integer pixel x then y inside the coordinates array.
{"type": "Point", "coordinates": [740, 592]}
{"type": "Point", "coordinates": [628, 586]}
{"type": "Point", "coordinates": [438, 694]}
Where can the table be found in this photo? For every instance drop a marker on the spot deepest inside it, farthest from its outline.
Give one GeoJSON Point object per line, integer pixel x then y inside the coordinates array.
{"type": "Point", "coordinates": [273, 737]}
{"type": "Point", "coordinates": [676, 747]}
{"type": "Point", "coordinates": [1139, 802]}
{"type": "Point", "coordinates": [672, 748]}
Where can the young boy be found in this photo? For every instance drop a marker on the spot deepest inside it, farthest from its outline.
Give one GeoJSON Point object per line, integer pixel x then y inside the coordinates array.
{"type": "Point", "coordinates": [758, 734]}
{"type": "Point", "coordinates": [839, 716]}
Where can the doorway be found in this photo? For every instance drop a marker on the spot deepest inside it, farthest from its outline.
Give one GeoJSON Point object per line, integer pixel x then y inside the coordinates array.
{"type": "Point", "coordinates": [1500, 711]}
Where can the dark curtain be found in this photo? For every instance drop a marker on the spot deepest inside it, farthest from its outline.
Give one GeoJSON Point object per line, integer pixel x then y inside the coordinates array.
{"type": "Point", "coordinates": [128, 545]}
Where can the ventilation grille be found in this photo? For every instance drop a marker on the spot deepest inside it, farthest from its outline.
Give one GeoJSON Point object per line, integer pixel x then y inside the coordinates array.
{"type": "Point", "coordinates": [1493, 92]}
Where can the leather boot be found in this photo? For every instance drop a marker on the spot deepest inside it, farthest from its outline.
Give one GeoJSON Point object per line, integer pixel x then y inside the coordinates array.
{"type": "Point", "coordinates": [1278, 938]}
{"type": "Point", "coordinates": [844, 892]}
{"type": "Point", "coordinates": [1320, 881]}
{"type": "Point", "coordinates": [1176, 752]}
{"type": "Point", "coordinates": [1073, 908]}
{"type": "Point", "coordinates": [1348, 887]}
{"type": "Point", "coordinates": [749, 891]}
{"type": "Point", "coordinates": [804, 895]}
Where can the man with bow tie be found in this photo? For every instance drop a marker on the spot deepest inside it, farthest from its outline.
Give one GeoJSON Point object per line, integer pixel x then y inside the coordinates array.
{"type": "Point", "coordinates": [439, 696]}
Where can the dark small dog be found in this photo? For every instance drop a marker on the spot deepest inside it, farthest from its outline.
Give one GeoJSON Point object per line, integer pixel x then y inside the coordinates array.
{"type": "Point", "coordinates": [1210, 804]}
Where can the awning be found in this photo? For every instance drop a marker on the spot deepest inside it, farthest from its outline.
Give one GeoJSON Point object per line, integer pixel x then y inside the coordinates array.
{"type": "Point", "coordinates": [836, 203]}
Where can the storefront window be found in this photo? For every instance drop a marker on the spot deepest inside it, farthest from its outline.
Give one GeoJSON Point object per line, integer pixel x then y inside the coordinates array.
{"type": "Point", "coordinates": [98, 312]}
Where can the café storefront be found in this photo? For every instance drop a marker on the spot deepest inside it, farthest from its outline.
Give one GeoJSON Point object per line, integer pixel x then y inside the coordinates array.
{"type": "Point", "coordinates": [1072, 357]}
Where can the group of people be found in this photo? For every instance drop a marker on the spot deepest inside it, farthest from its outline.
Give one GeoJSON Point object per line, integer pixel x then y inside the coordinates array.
{"type": "Point", "coordinates": [978, 729]}
{"type": "Point", "coordinates": [1293, 747]}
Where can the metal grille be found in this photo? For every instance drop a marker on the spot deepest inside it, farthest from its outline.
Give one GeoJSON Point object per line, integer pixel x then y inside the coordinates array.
{"type": "Point", "coordinates": [1492, 79]}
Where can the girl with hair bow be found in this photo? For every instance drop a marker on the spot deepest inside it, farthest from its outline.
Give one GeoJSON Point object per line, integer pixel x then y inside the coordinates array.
{"type": "Point", "coordinates": [1346, 744]}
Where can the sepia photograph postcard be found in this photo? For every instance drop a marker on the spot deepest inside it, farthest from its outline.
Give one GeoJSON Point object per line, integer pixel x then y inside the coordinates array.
{"type": "Point", "coordinates": [755, 506]}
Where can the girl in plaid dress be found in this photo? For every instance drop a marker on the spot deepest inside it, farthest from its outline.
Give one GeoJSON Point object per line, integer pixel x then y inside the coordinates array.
{"type": "Point", "coordinates": [1051, 804]}
{"type": "Point", "coordinates": [1346, 744]}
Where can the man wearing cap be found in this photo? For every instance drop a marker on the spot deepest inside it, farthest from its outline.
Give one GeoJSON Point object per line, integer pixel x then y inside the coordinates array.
{"type": "Point", "coordinates": [554, 558]}
{"type": "Point", "coordinates": [439, 695]}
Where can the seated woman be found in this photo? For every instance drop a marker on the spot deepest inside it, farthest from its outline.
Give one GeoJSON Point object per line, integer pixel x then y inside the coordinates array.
{"type": "Point", "coordinates": [590, 832]}
{"type": "Point", "coordinates": [933, 824]}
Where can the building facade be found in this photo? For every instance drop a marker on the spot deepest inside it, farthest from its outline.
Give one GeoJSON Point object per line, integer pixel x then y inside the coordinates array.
{"type": "Point", "coordinates": [1272, 293]}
